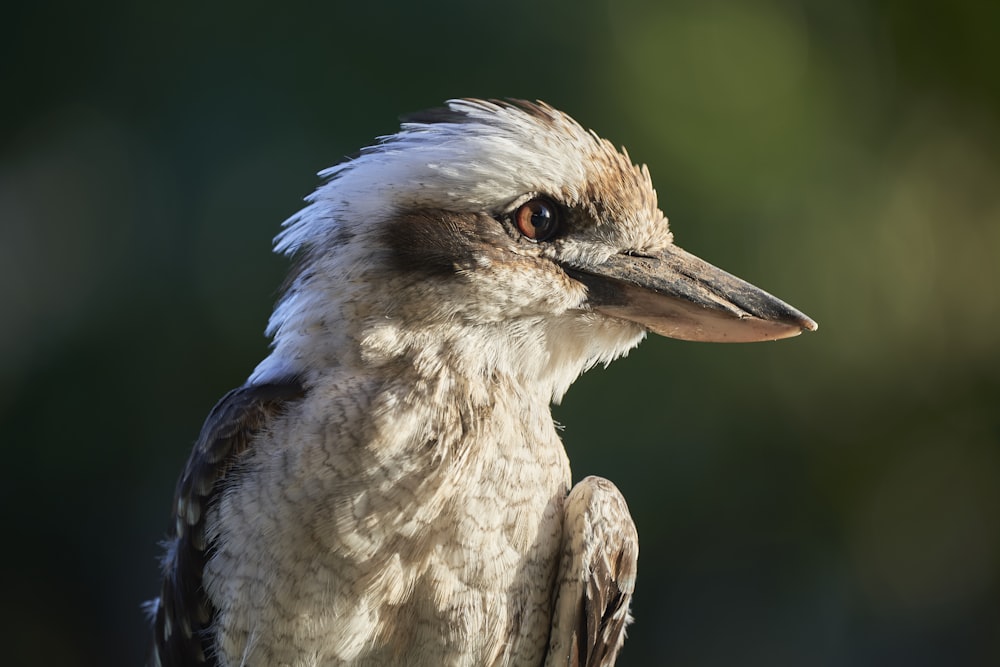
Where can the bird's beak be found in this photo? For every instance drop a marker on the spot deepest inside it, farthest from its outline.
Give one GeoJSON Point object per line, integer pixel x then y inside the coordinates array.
{"type": "Point", "coordinates": [678, 295]}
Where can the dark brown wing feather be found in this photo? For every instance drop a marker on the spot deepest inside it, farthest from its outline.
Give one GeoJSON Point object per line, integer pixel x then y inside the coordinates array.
{"type": "Point", "coordinates": [596, 577]}
{"type": "Point", "coordinates": [605, 606]}
{"type": "Point", "coordinates": [182, 612]}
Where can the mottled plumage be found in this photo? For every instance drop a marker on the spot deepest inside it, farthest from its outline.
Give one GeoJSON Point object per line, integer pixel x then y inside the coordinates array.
{"type": "Point", "coordinates": [388, 487]}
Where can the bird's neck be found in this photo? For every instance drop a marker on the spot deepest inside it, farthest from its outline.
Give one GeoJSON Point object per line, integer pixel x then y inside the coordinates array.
{"type": "Point", "coordinates": [369, 322]}
{"type": "Point", "coordinates": [473, 358]}
{"type": "Point", "coordinates": [437, 398]}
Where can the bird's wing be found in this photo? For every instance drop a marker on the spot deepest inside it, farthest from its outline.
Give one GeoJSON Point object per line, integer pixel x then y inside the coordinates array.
{"type": "Point", "coordinates": [183, 612]}
{"type": "Point", "coordinates": [596, 577]}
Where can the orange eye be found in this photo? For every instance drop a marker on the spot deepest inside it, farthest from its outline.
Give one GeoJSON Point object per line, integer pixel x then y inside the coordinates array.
{"type": "Point", "coordinates": [537, 219]}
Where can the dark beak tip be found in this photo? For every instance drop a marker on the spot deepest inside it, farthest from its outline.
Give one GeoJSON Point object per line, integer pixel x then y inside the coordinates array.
{"type": "Point", "coordinates": [795, 318]}
{"type": "Point", "coordinates": [800, 320]}
{"type": "Point", "coordinates": [790, 326]}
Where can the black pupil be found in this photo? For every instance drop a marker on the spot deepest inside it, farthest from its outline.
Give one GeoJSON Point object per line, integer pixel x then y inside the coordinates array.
{"type": "Point", "coordinates": [541, 217]}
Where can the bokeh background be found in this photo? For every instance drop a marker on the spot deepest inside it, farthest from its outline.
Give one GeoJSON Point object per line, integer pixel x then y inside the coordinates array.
{"type": "Point", "coordinates": [829, 500]}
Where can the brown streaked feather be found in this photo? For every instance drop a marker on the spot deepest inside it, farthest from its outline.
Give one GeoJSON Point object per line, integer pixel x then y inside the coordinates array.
{"type": "Point", "coordinates": [596, 577]}
{"type": "Point", "coordinates": [183, 613]}
{"type": "Point", "coordinates": [538, 109]}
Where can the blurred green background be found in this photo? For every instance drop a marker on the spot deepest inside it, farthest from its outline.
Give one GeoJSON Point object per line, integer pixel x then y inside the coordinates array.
{"type": "Point", "coordinates": [829, 500]}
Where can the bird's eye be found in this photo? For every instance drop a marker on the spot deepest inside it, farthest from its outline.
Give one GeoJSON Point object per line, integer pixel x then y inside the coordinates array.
{"type": "Point", "coordinates": [537, 219]}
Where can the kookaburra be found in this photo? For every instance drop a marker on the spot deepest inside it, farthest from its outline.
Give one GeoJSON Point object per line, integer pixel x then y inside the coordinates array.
{"type": "Point", "coordinates": [388, 486]}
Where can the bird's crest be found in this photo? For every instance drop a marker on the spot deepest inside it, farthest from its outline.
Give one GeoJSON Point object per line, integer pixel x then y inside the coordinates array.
{"type": "Point", "coordinates": [472, 156]}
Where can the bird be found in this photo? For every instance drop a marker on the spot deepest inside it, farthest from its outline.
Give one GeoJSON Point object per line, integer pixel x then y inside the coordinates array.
{"type": "Point", "coordinates": [388, 487]}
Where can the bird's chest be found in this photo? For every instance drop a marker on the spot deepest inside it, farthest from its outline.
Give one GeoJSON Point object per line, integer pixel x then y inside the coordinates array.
{"type": "Point", "coordinates": [442, 553]}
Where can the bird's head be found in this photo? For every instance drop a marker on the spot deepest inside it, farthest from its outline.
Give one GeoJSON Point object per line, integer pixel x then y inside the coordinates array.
{"type": "Point", "coordinates": [505, 237]}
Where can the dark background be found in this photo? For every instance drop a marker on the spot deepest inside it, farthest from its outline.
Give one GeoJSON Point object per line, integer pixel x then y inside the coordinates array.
{"type": "Point", "coordinates": [829, 500]}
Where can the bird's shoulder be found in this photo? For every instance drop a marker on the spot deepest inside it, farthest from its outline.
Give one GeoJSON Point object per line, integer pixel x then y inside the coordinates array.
{"type": "Point", "coordinates": [182, 612]}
